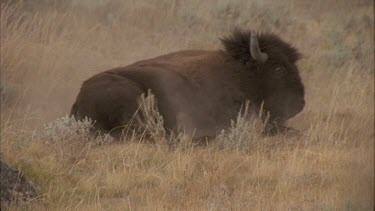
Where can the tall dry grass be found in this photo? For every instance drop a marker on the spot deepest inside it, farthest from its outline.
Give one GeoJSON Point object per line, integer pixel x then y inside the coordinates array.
{"type": "Point", "coordinates": [48, 48]}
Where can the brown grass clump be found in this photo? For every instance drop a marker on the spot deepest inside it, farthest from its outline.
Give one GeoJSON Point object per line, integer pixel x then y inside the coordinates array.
{"type": "Point", "coordinates": [48, 48]}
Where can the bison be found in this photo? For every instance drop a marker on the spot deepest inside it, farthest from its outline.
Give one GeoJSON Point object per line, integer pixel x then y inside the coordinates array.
{"type": "Point", "coordinates": [201, 90]}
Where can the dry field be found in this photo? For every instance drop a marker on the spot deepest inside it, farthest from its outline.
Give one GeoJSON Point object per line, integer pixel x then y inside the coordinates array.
{"type": "Point", "coordinates": [49, 47]}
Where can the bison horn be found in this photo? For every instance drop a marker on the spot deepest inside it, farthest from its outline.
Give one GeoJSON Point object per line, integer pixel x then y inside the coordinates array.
{"type": "Point", "coordinates": [255, 52]}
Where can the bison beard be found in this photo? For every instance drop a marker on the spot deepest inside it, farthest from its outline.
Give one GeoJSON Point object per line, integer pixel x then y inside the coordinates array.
{"type": "Point", "coordinates": [198, 90]}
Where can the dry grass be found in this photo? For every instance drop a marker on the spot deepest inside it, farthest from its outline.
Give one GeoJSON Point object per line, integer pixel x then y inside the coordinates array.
{"type": "Point", "coordinates": [48, 48]}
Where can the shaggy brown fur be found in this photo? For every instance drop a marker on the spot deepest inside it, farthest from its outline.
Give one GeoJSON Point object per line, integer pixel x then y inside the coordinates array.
{"type": "Point", "coordinates": [197, 89]}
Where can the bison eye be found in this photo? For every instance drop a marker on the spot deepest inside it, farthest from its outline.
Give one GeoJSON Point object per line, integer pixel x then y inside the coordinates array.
{"type": "Point", "coordinates": [279, 71]}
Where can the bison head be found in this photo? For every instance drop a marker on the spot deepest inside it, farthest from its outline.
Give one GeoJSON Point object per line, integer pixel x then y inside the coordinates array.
{"type": "Point", "coordinates": [273, 61]}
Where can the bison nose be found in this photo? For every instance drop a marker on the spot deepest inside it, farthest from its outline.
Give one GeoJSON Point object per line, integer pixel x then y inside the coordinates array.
{"type": "Point", "coordinates": [295, 107]}
{"type": "Point", "coordinates": [300, 105]}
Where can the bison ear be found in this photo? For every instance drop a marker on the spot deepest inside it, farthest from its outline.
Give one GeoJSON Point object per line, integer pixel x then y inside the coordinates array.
{"type": "Point", "coordinates": [292, 53]}
{"type": "Point", "coordinates": [278, 46]}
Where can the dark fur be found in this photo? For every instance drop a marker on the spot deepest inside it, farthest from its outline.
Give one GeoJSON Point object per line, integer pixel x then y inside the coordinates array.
{"type": "Point", "coordinates": [199, 90]}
